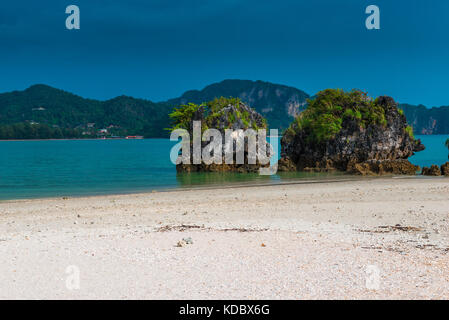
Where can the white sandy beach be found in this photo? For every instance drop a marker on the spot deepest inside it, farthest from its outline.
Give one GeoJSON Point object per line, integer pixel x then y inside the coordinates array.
{"type": "Point", "coordinates": [297, 241]}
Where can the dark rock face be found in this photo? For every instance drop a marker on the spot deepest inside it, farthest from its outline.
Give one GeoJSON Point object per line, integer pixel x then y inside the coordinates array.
{"type": "Point", "coordinates": [445, 169]}
{"type": "Point", "coordinates": [374, 149]}
{"type": "Point", "coordinates": [227, 114]}
{"type": "Point", "coordinates": [434, 170]}
{"type": "Point", "coordinates": [286, 164]}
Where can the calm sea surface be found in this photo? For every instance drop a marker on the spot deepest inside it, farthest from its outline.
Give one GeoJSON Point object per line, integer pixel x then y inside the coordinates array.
{"type": "Point", "coordinates": [34, 169]}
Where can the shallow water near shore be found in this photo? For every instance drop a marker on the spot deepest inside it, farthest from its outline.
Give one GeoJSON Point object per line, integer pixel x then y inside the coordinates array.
{"type": "Point", "coordinates": [41, 169]}
{"type": "Point", "coordinates": [435, 153]}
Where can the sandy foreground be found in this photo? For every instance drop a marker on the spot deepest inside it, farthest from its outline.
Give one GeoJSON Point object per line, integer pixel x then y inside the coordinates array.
{"type": "Point", "coordinates": [371, 239]}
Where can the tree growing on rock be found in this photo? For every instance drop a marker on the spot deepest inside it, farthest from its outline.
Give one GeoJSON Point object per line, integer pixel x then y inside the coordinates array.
{"type": "Point", "coordinates": [351, 132]}
{"type": "Point", "coordinates": [234, 128]}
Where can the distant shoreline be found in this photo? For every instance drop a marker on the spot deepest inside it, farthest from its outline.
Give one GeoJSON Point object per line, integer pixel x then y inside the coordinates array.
{"type": "Point", "coordinates": [87, 139]}
{"type": "Point", "coordinates": [76, 139]}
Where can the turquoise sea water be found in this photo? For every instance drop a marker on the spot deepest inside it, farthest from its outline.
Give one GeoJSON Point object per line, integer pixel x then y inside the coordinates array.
{"type": "Point", "coordinates": [34, 169]}
{"type": "Point", "coordinates": [435, 153]}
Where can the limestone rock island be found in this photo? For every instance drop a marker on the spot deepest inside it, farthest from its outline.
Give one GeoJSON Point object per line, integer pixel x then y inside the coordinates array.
{"type": "Point", "coordinates": [350, 132]}
{"type": "Point", "coordinates": [222, 114]}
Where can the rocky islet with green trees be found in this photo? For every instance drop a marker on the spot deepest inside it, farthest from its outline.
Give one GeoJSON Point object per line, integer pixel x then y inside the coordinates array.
{"type": "Point", "coordinates": [350, 132]}
{"type": "Point", "coordinates": [222, 114]}
{"type": "Point", "coordinates": [339, 131]}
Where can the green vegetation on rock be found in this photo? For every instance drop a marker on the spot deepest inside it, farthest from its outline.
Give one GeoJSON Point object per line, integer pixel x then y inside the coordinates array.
{"type": "Point", "coordinates": [350, 132]}
{"type": "Point", "coordinates": [323, 118]}
{"type": "Point", "coordinates": [409, 131]}
{"type": "Point", "coordinates": [220, 113]}
{"type": "Point", "coordinates": [183, 115]}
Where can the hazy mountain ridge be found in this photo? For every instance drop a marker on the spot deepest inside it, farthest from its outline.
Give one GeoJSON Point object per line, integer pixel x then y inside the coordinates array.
{"type": "Point", "coordinates": [279, 104]}
{"type": "Point", "coordinates": [45, 112]}
{"type": "Point", "coordinates": [427, 120]}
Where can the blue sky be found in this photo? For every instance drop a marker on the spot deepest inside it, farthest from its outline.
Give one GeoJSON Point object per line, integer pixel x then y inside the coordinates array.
{"type": "Point", "coordinates": [157, 49]}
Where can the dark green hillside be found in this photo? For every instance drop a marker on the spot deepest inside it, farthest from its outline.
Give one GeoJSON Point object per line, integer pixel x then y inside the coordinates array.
{"type": "Point", "coordinates": [137, 116]}
{"type": "Point", "coordinates": [44, 104]}
{"type": "Point", "coordinates": [43, 112]}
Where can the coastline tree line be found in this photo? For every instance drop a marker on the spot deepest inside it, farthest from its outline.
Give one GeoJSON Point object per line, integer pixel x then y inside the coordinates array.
{"type": "Point", "coordinates": [25, 130]}
{"type": "Point", "coordinates": [43, 112]}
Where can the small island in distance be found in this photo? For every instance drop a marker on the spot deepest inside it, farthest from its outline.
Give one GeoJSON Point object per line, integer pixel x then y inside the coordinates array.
{"type": "Point", "coordinates": [44, 112]}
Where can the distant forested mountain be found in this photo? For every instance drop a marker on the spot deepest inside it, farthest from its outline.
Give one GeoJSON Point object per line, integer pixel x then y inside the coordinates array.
{"type": "Point", "coordinates": [279, 104]}
{"type": "Point", "coordinates": [427, 120]}
{"type": "Point", "coordinates": [43, 112]}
